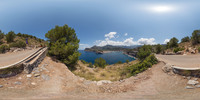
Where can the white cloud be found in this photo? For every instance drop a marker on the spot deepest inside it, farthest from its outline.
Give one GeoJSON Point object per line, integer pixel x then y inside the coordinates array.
{"type": "Point", "coordinates": [125, 34]}
{"type": "Point", "coordinates": [110, 35]}
{"type": "Point", "coordinates": [166, 40]}
{"type": "Point", "coordinates": [127, 42]}
{"type": "Point", "coordinates": [83, 46]}
{"type": "Point", "coordinates": [146, 41]}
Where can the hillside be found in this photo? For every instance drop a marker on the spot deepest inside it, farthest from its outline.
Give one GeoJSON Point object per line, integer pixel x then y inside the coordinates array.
{"type": "Point", "coordinates": [19, 40]}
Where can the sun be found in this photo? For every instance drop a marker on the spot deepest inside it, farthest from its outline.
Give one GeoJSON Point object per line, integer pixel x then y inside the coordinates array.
{"type": "Point", "coordinates": [161, 9]}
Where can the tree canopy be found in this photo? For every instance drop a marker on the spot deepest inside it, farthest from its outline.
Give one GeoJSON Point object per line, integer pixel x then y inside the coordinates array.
{"type": "Point", "coordinates": [195, 37]}
{"type": "Point", "coordinates": [63, 44]}
{"type": "Point", "coordinates": [100, 62]}
{"type": "Point", "coordinates": [10, 36]}
{"type": "Point", "coordinates": [144, 52]}
{"type": "Point", "coordinates": [173, 43]}
{"type": "Point", "coordinates": [185, 39]}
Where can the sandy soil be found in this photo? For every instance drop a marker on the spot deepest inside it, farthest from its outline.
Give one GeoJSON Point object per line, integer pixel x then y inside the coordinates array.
{"type": "Point", "coordinates": [186, 61]}
{"type": "Point", "coordinates": [10, 58]}
{"type": "Point", "coordinates": [62, 84]}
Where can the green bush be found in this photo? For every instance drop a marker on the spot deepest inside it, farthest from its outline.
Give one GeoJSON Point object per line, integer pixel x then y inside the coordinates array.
{"type": "Point", "coordinates": [90, 65]}
{"type": "Point", "coordinates": [100, 62]}
{"type": "Point", "coordinates": [195, 37]}
{"type": "Point", "coordinates": [144, 52]}
{"type": "Point", "coordinates": [173, 43]}
{"type": "Point", "coordinates": [177, 49]}
{"type": "Point", "coordinates": [159, 48]}
{"type": "Point", "coordinates": [83, 61]}
{"type": "Point", "coordinates": [185, 39]}
{"type": "Point", "coordinates": [143, 65]}
{"type": "Point", "coordinates": [3, 48]}
{"type": "Point", "coordinates": [10, 36]}
{"type": "Point", "coordinates": [1, 37]}
{"type": "Point", "coordinates": [18, 44]}
{"type": "Point", "coordinates": [119, 62]}
{"type": "Point", "coordinates": [127, 61]}
{"type": "Point", "coordinates": [199, 49]}
{"type": "Point", "coordinates": [63, 45]}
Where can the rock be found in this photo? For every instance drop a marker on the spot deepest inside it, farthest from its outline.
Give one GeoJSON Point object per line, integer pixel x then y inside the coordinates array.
{"type": "Point", "coordinates": [197, 86]}
{"type": "Point", "coordinates": [36, 70]}
{"type": "Point", "coordinates": [103, 82]}
{"type": "Point", "coordinates": [45, 77]}
{"type": "Point", "coordinates": [192, 82]}
{"type": "Point", "coordinates": [188, 77]}
{"type": "Point", "coordinates": [36, 75]}
{"type": "Point", "coordinates": [20, 78]}
{"type": "Point", "coordinates": [195, 79]}
{"type": "Point", "coordinates": [167, 68]}
{"type": "Point", "coordinates": [189, 87]}
{"type": "Point", "coordinates": [1, 86]}
{"type": "Point", "coordinates": [18, 83]}
{"type": "Point", "coordinates": [184, 77]}
{"type": "Point", "coordinates": [29, 75]}
{"type": "Point", "coordinates": [33, 83]}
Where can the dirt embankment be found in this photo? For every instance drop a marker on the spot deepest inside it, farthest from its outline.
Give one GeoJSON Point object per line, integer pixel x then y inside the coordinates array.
{"type": "Point", "coordinates": [52, 80]}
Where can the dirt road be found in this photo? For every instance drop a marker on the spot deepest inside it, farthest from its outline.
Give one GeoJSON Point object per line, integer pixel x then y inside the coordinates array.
{"type": "Point", "coordinates": [186, 61]}
{"type": "Point", "coordinates": [10, 58]}
{"type": "Point", "coordinates": [60, 83]}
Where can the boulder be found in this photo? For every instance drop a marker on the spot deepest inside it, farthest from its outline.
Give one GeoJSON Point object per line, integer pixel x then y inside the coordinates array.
{"type": "Point", "coordinates": [192, 82]}
{"type": "Point", "coordinates": [33, 83]}
{"type": "Point", "coordinates": [29, 75]}
{"type": "Point", "coordinates": [36, 75]}
{"type": "Point", "coordinates": [45, 77]}
{"type": "Point", "coordinates": [197, 86]}
{"type": "Point", "coordinates": [167, 68]}
{"type": "Point", "coordinates": [189, 87]}
{"type": "Point", "coordinates": [18, 83]}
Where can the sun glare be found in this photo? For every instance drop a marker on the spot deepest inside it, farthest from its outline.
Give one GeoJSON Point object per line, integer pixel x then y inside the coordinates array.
{"type": "Point", "coordinates": [161, 9]}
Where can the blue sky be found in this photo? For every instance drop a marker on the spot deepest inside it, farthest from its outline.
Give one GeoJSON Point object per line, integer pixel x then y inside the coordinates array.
{"type": "Point", "coordinates": [101, 22]}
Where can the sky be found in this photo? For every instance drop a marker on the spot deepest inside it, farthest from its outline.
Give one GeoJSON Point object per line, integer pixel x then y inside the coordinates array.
{"type": "Point", "coordinates": [104, 22]}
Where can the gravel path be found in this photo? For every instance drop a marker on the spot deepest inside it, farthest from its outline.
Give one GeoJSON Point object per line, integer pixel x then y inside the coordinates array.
{"type": "Point", "coordinates": [10, 58]}
{"type": "Point", "coordinates": [186, 61]}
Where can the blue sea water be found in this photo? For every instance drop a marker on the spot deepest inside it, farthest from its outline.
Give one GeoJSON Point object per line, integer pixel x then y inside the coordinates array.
{"type": "Point", "coordinates": [111, 58]}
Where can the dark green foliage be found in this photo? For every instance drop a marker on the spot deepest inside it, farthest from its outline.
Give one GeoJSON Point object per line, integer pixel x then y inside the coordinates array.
{"type": "Point", "coordinates": [178, 49]}
{"type": "Point", "coordinates": [83, 61]}
{"type": "Point", "coordinates": [173, 43]}
{"type": "Point", "coordinates": [159, 48]}
{"type": "Point", "coordinates": [3, 48]}
{"type": "Point", "coordinates": [119, 62]}
{"type": "Point", "coordinates": [185, 39]}
{"type": "Point", "coordinates": [1, 36]}
{"type": "Point", "coordinates": [90, 65]}
{"type": "Point", "coordinates": [195, 37]}
{"type": "Point", "coordinates": [100, 62]}
{"type": "Point", "coordinates": [199, 49]}
{"type": "Point", "coordinates": [18, 44]}
{"type": "Point", "coordinates": [144, 52]}
{"type": "Point", "coordinates": [64, 44]}
{"type": "Point", "coordinates": [143, 65]}
{"type": "Point", "coordinates": [127, 61]}
{"type": "Point", "coordinates": [10, 36]}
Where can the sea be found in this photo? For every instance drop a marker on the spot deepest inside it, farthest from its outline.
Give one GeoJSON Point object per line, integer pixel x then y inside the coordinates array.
{"type": "Point", "coordinates": [111, 57]}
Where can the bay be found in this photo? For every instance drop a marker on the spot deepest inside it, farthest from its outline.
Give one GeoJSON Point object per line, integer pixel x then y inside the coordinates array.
{"type": "Point", "coordinates": [111, 57]}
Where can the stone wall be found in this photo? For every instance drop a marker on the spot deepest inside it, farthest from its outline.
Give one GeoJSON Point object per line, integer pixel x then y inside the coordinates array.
{"type": "Point", "coordinates": [23, 65]}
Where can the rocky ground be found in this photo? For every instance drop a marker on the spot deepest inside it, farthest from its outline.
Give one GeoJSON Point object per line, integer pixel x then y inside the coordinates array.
{"type": "Point", "coordinates": [52, 80]}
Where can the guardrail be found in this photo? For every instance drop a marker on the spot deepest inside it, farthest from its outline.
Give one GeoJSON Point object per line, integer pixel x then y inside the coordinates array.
{"type": "Point", "coordinates": [186, 71]}
{"type": "Point", "coordinates": [24, 64]}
